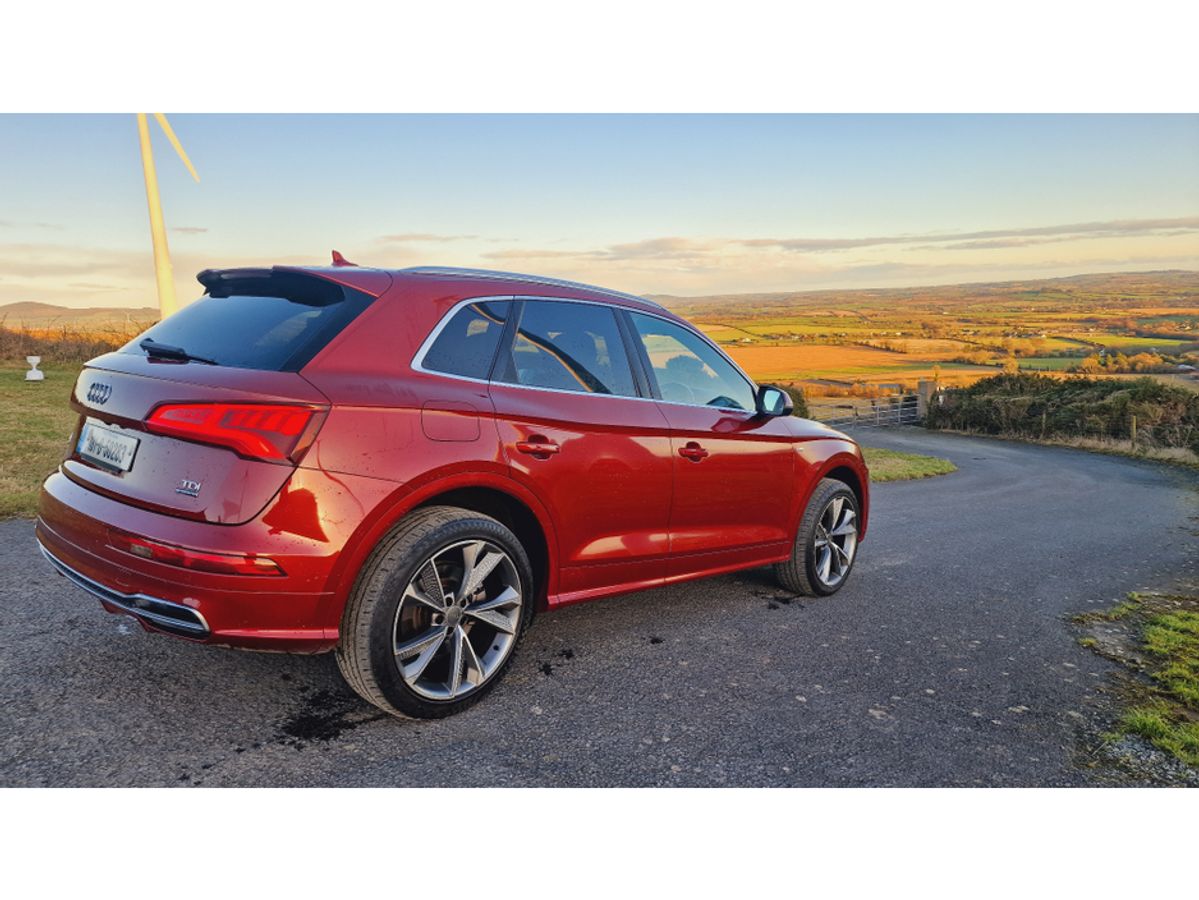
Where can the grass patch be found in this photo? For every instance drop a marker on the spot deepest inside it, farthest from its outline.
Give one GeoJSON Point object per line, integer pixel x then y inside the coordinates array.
{"type": "Point", "coordinates": [891, 465]}
{"type": "Point", "coordinates": [1157, 637]}
{"type": "Point", "coordinates": [1162, 728]}
{"type": "Point", "coordinates": [35, 426]}
{"type": "Point", "coordinates": [1121, 610]}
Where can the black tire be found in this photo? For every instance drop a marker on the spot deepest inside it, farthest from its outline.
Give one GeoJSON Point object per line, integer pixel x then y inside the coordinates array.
{"type": "Point", "coordinates": [365, 651]}
{"type": "Point", "coordinates": [800, 573]}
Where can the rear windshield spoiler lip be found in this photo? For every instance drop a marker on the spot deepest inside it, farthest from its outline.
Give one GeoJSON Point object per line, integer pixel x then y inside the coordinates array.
{"type": "Point", "coordinates": [213, 278]}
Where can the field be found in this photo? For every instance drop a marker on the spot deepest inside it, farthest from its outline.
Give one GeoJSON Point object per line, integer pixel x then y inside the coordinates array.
{"type": "Point", "coordinates": [845, 362]}
{"type": "Point", "coordinates": [869, 342]}
{"type": "Point", "coordinates": [839, 343]}
{"type": "Point", "coordinates": [35, 426]}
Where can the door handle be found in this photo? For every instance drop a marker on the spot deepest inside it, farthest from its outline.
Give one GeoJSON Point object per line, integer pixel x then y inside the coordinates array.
{"type": "Point", "coordinates": [693, 451]}
{"type": "Point", "coordinates": [538, 446]}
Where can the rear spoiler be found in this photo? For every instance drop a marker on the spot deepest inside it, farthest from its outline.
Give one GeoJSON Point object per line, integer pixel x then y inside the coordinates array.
{"type": "Point", "coordinates": [317, 287]}
{"type": "Point", "coordinates": [297, 286]}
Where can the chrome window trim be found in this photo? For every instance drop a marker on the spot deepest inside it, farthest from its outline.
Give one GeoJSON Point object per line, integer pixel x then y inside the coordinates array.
{"type": "Point", "coordinates": [417, 364]}
{"type": "Point", "coordinates": [418, 361]}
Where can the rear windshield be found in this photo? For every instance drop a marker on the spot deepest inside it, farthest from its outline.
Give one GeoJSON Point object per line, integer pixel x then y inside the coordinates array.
{"type": "Point", "coordinates": [274, 324]}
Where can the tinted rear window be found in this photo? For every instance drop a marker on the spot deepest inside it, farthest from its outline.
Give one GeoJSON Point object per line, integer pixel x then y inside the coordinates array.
{"type": "Point", "coordinates": [567, 346]}
{"type": "Point", "coordinates": [466, 345]}
{"type": "Point", "coordinates": [273, 324]}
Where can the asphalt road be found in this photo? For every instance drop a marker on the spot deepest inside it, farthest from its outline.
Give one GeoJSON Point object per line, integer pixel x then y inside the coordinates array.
{"type": "Point", "coordinates": [947, 660]}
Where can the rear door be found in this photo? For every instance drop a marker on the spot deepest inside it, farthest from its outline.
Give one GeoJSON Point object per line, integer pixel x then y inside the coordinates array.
{"type": "Point", "coordinates": [734, 472]}
{"type": "Point", "coordinates": [582, 434]}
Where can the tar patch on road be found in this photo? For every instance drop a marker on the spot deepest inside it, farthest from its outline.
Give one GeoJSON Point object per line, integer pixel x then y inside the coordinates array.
{"type": "Point", "coordinates": [547, 668]}
{"type": "Point", "coordinates": [325, 716]}
{"type": "Point", "coordinates": [777, 601]}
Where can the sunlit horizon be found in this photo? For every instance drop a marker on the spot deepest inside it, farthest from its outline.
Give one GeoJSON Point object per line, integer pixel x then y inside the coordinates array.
{"type": "Point", "coordinates": [678, 205]}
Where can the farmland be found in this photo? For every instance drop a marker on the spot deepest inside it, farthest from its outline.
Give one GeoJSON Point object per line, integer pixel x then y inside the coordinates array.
{"type": "Point", "coordinates": [871, 341]}
{"type": "Point", "coordinates": [838, 343]}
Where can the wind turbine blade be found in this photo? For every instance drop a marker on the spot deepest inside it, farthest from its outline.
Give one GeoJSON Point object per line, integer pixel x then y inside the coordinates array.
{"type": "Point", "coordinates": [170, 133]}
{"type": "Point", "coordinates": [158, 230]}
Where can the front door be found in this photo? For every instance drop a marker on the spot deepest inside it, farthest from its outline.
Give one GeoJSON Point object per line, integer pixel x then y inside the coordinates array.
{"type": "Point", "coordinates": [579, 435]}
{"type": "Point", "coordinates": [734, 471]}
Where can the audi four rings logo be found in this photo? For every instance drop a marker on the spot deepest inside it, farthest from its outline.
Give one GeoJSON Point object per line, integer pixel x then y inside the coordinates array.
{"type": "Point", "coordinates": [99, 393]}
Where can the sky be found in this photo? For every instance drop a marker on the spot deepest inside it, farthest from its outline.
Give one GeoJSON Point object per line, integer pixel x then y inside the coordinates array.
{"type": "Point", "coordinates": [683, 205]}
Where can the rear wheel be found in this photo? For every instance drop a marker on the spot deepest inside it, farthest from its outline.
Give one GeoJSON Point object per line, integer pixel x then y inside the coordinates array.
{"type": "Point", "coordinates": [436, 613]}
{"type": "Point", "coordinates": [826, 544]}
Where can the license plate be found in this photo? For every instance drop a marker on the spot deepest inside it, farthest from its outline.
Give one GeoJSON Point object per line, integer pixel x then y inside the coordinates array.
{"type": "Point", "coordinates": [107, 448]}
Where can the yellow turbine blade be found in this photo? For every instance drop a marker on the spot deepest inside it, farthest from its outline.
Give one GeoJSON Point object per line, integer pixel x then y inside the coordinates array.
{"type": "Point", "coordinates": [158, 230]}
{"type": "Point", "coordinates": [170, 132]}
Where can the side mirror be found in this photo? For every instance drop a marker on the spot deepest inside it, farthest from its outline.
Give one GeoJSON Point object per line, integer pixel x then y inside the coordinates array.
{"type": "Point", "coordinates": [774, 401]}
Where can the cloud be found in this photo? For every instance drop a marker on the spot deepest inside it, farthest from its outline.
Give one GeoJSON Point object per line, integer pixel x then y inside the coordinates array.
{"type": "Point", "coordinates": [80, 275]}
{"type": "Point", "coordinates": [423, 237]}
{"type": "Point", "coordinates": [536, 253]}
{"type": "Point", "coordinates": [700, 255]}
{"type": "Point", "coordinates": [93, 286]}
{"type": "Point", "coordinates": [995, 238]}
{"type": "Point", "coordinates": [48, 226]}
{"type": "Point", "coordinates": [189, 229]}
{"type": "Point", "coordinates": [665, 248]}
{"type": "Point", "coordinates": [76, 275]}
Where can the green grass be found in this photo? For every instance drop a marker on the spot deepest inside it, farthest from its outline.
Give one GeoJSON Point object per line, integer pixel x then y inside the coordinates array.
{"type": "Point", "coordinates": [891, 465]}
{"type": "Point", "coordinates": [1165, 709]}
{"type": "Point", "coordinates": [35, 425]}
{"type": "Point", "coordinates": [1048, 362]}
{"type": "Point", "coordinates": [1131, 343]}
{"type": "Point", "coordinates": [1161, 727]}
{"type": "Point", "coordinates": [1173, 638]}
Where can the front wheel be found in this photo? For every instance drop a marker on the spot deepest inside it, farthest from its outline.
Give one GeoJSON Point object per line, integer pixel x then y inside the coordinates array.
{"type": "Point", "coordinates": [436, 613]}
{"type": "Point", "coordinates": [826, 544]}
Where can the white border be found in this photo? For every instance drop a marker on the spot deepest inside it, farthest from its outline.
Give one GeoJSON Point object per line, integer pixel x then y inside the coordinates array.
{"type": "Point", "coordinates": [618, 55]}
{"type": "Point", "coordinates": [588, 843]}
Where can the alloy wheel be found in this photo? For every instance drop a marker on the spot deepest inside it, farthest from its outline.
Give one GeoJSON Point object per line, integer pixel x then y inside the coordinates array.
{"type": "Point", "coordinates": [457, 621]}
{"type": "Point", "coordinates": [836, 541]}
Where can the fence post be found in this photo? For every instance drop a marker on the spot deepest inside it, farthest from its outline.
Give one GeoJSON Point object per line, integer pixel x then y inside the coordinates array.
{"type": "Point", "coordinates": [924, 394]}
{"type": "Point", "coordinates": [1132, 431]}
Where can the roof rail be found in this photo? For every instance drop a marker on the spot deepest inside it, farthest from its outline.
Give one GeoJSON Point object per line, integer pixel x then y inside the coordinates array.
{"type": "Point", "coordinates": [495, 275]}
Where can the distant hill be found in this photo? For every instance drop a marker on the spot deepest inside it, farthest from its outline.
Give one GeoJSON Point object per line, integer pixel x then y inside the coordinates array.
{"type": "Point", "coordinates": [1107, 292]}
{"type": "Point", "coordinates": [1098, 291]}
{"type": "Point", "coordinates": [48, 315]}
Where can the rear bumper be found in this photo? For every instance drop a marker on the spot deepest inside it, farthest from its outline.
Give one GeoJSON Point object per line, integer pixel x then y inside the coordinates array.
{"type": "Point", "coordinates": [293, 612]}
{"type": "Point", "coordinates": [153, 612]}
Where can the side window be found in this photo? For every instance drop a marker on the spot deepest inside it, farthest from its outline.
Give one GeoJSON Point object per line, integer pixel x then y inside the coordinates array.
{"type": "Point", "coordinates": [568, 347]}
{"type": "Point", "coordinates": [688, 369]}
{"type": "Point", "coordinates": [466, 345]}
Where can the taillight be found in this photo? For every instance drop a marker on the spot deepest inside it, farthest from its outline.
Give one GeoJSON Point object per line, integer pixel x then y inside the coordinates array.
{"type": "Point", "coordinates": [275, 431]}
{"type": "Point", "coordinates": [197, 560]}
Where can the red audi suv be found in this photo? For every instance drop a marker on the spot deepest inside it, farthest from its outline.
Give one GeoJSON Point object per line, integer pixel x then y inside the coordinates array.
{"type": "Point", "coordinates": [403, 466]}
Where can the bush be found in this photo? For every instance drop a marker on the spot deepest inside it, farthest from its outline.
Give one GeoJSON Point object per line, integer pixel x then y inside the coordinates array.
{"type": "Point", "coordinates": [1040, 406]}
{"type": "Point", "coordinates": [798, 400]}
{"type": "Point", "coordinates": [63, 343]}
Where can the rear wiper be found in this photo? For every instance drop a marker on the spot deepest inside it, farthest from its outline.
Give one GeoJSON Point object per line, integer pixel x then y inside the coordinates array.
{"type": "Point", "coordinates": [155, 350]}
